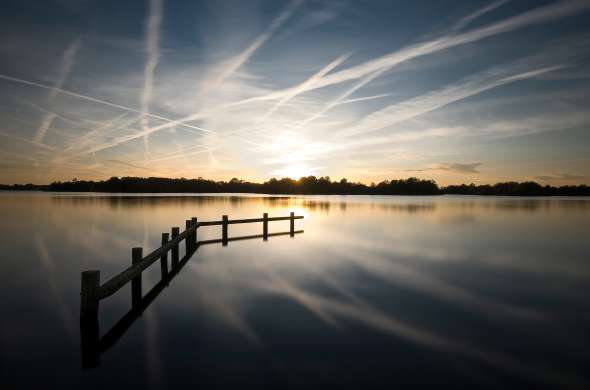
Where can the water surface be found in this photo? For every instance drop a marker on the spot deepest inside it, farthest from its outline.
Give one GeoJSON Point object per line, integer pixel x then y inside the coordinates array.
{"type": "Point", "coordinates": [458, 290]}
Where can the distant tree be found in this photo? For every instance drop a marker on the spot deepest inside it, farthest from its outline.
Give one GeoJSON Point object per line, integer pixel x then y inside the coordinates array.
{"type": "Point", "coordinates": [304, 185]}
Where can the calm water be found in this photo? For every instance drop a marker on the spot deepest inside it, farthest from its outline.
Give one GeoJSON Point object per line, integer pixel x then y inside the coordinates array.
{"type": "Point", "coordinates": [421, 290]}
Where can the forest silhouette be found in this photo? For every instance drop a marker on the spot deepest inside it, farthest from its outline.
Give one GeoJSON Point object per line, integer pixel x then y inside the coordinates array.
{"type": "Point", "coordinates": [309, 185]}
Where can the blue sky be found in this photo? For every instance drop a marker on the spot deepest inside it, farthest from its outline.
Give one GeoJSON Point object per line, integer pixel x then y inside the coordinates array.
{"type": "Point", "coordinates": [457, 91]}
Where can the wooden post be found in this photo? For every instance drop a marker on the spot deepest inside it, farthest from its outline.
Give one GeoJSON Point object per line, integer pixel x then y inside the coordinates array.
{"type": "Point", "coordinates": [224, 230]}
{"type": "Point", "coordinates": [89, 295]}
{"type": "Point", "coordinates": [292, 229]}
{"type": "Point", "coordinates": [136, 256]}
{"type": "Point", "coordinates": [89, 333]}
{"type": "Point", "coordinates": [188, 240]}
{"type": "Point", "coordinates": [194, 221]}
{"type": "Point", "coordinates": [265, 226]}
{"type": "Point", "coordinates": [175, 233]}
{"type": "Point", "coordinates": [164, 258]}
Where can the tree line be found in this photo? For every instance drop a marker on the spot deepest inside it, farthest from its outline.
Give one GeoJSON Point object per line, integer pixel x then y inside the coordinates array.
{"type": "Point", "coordinates": [309, 185]}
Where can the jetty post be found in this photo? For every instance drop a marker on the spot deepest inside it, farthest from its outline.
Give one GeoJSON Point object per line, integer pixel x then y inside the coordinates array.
{"type": "Point", "coordinates": [265, 226]}
{"type": "Point", "coordinates": [89, 332]}
{"type": "Point", "coordinates": [136, 257]}
{"type": "Point", "coordinates": [194, 235]}
{"type": "Point", "coordinates": [224, 220]}
{"type": "Point", "coordinates": [174, 261]}
{"type": "Point", "coordinates": [164, 257]}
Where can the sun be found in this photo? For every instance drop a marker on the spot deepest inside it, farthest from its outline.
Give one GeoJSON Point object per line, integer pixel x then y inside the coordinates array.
{"type": "Point", "coordinates": [295, 171]}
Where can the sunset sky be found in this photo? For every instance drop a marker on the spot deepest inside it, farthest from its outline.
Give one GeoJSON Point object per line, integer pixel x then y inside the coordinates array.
{"type": "Point", "coordinates": [456, 91]}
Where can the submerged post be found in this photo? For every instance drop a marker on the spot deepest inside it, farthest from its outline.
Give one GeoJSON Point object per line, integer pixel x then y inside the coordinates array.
{"type": "Point", "coordinates": [224, 230]}
{"type": "Point", "coordinates": [164, 258]}
{"type": "Point", "coordinates": [174, 261]}
{"type": "Point", "coordinates": [292, 221]}
{"type": "Point", "coordinates": [89, 334]}
{"type": "Point", "coordinates": [136, 256]}
{"type": "Point", "coordinates": [265, 226]}
{"type": "Point", "coordinates": [194, 235]}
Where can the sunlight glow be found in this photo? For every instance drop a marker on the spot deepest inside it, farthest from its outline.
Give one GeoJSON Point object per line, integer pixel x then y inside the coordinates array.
{"type": "Point", "coordinates": [295, 171]}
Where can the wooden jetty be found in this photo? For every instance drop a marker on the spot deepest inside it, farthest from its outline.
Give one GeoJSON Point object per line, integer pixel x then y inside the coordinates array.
{"type": "Point", "coordinates": [92, 292]}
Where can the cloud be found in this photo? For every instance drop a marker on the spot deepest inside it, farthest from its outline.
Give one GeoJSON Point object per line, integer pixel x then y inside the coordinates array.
{"type": "Point", "coordinates": [458, 167]}
{"type": "Point", "coordinates": [464, 168]}
{"type": "Point", "coordinates": [561, 176]}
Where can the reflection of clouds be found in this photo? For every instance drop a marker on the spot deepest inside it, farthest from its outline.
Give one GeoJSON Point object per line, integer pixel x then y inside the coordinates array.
{"type": "Point", "coordinates": [216, 304]}
{"type": "Point", "coordinates": [281, 286]}
{"type": "Point", "coordinates": [396, 273]}
{"type": "Point", "coordinates": [378, 259]}
{"type": "Point", "coordinates": [266, 277]}
{"type": "Point", "coordinates": [326, 270]}
{"type": "Point", "coordinates": [48, 264]}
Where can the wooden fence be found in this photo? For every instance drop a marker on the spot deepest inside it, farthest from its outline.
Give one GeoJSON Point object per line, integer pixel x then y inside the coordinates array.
{"type": "Point", "coordinates": [92, 292]}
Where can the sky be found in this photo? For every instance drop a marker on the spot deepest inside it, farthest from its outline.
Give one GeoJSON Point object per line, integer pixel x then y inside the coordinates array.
{"type": "Point", "coordinates": [455, 91]}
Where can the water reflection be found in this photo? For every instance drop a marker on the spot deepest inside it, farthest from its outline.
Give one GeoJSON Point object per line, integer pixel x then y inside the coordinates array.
{"type": "Point", "coordinates": [418, 290]}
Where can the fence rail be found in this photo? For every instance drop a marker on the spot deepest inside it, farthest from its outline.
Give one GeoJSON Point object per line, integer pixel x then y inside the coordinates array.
{"type": "Point", "coordinates": [92, 291]}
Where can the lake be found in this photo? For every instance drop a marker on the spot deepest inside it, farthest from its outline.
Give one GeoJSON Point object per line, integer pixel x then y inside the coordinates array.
{"type": "Point", "coordinates": [457, 290]}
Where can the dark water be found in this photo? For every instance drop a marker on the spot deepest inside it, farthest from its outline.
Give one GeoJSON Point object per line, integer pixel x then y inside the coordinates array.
{"type": "Point", "coordinates": [377, 290]}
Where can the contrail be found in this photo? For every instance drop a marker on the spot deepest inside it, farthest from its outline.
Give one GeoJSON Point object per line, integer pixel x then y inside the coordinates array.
{"type": "Point", "coordinates": [103, 102]}
{"type": "Point", "coordinates": [67, 64]}
{"type": "Point", "coordinates": [378, 66]}
{"type": "Point", "coordinates": [309, 82]}
{"type": "Point", "coordinates": [477, 14]}
{"type": "Point", "coordinates": [69, 57]}
{"type": "Point", "coordinates": [412, 108]}
{"type": "Point", "coordinates": [235, 63]}
{"type": "Point", "coordinates": [41, 145]}
{"type": "Point", "coordinates": [535, 16]}
{"type": "Point", "coordinates": [152, 39]}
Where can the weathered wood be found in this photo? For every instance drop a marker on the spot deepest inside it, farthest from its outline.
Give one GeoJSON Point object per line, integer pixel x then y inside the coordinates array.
{"type": "Point", "coordinates": [175, 231]}
{"type": "Point", "coordinates": [89, 295]}
{"type": "Point", "coordinates": [164, 257]}
{"type": "Point", "coordinates": [292, 223]}
{"type": "Point", "coordinates": [118, 281]}
{"type": "Point", "coordinates": [194, 226]}
{"type": "Point", "coordinates": [265, 226]}
{"type": "Point", "coordinates": [136, 258]}
{"type": "Point", "coordinates": [224, 230]}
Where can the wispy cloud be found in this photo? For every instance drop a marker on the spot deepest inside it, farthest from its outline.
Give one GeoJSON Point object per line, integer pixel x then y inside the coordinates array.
{"type": "Point", "coordinates": [561, 177]}
{"type": "Point", "coordinates": [464, 168]}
